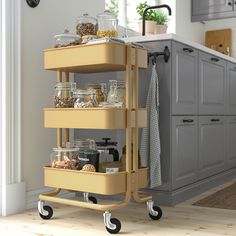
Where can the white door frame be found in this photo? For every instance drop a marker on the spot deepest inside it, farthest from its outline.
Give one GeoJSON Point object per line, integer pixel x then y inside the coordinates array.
{"type": "Point", "coordinates": [12, 187]}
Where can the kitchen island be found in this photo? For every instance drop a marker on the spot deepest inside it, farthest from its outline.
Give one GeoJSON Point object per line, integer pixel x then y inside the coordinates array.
{"type": "Point", "coordinates": [197, 116]}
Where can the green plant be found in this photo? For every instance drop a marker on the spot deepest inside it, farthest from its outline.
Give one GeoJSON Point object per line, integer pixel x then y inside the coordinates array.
{"type": "Point", "coordinates": [158, 16]}
{"type": "Point", "coordinates": [113, 6]}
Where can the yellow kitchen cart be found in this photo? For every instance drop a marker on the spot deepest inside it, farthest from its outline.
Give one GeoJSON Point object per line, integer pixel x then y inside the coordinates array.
{"type": "Point", "coordinates": [91, 58]}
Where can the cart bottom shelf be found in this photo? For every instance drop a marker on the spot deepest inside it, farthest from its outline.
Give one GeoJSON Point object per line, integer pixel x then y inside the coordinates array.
{"type": "Point", "coordinates": [93, 182]}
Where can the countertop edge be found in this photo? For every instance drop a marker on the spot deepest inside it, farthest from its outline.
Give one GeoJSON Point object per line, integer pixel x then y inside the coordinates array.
{"type": "Point", "coordinates": [175, 37]}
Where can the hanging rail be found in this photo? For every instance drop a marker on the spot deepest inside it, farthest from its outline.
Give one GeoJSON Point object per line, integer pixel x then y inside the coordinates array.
{"type": "Point", "coordinates": [154, 55]}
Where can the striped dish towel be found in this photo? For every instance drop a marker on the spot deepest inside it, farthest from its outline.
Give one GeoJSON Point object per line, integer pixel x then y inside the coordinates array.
{"type": "Point", "coordinates": [150, 149]}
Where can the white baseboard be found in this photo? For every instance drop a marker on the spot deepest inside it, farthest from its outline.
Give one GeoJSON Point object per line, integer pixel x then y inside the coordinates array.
{"type": "Point", "coordinates": [13, 199]}
{"type": "Point", "coordinates": [32, 197]}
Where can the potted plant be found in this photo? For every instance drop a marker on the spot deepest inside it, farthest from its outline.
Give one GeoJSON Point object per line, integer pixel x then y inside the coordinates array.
{"type": "Point", "coordinates": [156, 20]}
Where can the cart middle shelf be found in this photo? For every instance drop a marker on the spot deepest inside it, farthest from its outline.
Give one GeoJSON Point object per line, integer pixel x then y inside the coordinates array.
{"type": "Point", "coordinates": [94, 118]}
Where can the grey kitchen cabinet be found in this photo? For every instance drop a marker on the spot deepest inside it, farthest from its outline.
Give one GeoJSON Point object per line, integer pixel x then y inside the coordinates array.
{"type": "Point", "coordinates": [198, 148]}
{"type": "Point", "coordinates": [231, 88]}
{"type": "Point", "coordinates": [212, 85]}
{"type": "Point", "coordinates": [203, 10]}
{"type": "Point", "coordinates": [230, 140]}
{"type": "Point", "coordinates": [184, 80]}
{"type": "Point", "coordinates": [184, 150]}
{"type": "Point", "coordinates": [211, 145]}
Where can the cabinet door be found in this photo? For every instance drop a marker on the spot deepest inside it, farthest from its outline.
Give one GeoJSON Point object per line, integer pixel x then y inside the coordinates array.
{"type": "Point", "coordinates": [230, 140]}
{"type": "Point", "coordinates": [184, 79]}
{"type": "Point", "coordinates": [212, 80]}
{"type": "Point", "coordinates": [184, 150]}
{"type": "Point", "coordinates": [211, 145]}
{"type": "Point", "coordinates": [205, 7]}
{"type": "Point", "coordinates": [231, 88]}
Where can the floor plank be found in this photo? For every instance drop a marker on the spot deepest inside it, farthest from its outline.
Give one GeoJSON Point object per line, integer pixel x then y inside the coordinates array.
{"type": "Point", "coordinates": [183, 219]}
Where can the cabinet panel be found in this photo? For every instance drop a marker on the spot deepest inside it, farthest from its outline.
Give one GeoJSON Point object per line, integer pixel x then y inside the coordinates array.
{"type": "Point", "coordinates": [212, 80]}
{"type": "Point", "coordinates": [184, 79]}
{"type": "Point", "coordinates": [205, 7]}
{"type": "Point", "coordinates": [230, 140]}
{"type": "Point", "coordinates": [231, 88]}
{"type": "Point", "coordinates": [211, 145]}
{"type": "Point", "coordinates": [184, 150]}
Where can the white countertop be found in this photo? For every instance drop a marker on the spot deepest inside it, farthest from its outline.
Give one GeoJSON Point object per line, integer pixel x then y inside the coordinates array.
{"type": "Point", "coordinates": [160, 37]}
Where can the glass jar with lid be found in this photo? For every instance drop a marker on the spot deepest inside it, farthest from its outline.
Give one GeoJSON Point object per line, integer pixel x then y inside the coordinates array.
{"type": "Point", "coordinates": [107, 24]}
{"type": "Point", "coordinates": [67, 39]}
{"type": "Point", "coordinates": [116, 94]}
{"type": "Point", "coordinates": [100, 96]}
{"type": "Point", "coordinates": [84, 98]}
{"type": "Point", "coordinates": [63, 95]}
{"type": "Point", "coordinates": [86, 25]}
{"type": "Point", "coordinates": [65, 158]}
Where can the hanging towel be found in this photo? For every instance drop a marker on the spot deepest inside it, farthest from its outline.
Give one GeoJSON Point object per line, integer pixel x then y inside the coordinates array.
{"type": "Point", "coordinates": [150, 149]}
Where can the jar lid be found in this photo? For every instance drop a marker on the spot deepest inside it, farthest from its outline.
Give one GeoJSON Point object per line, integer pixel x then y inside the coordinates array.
{"type": "Point", "coordinates": [65, 85]}
{"type": "Point", "coordinates": [84, 142]}
{"type": "Point", "coordinates": [86, 16]}
{"type": "Point", "coordinates": [106, 15]}
{"type": "Point", "coordinates": [89, 152]}
{"type": "Point", "coordinates": [106, 105]}
{"type": "Point", "coordinates": [106, 143]}
{"type": "Point", "coordinates": [67, 34]}
{"type": "Point", "coordinates": [66, 149]}
{"type": "Point", "coordinates": [84, 92]}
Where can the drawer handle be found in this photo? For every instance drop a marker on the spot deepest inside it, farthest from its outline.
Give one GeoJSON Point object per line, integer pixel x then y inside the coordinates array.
{"type": "Point", "coordinates": [214, 59]}
{"type": "Point", "coordinates": [230, 3]}
{"type": "Point", "coordinates": [215, 120]}
{"type": "Point", "coordinates": [188, 121]}
{"type": "Point", "coordinates": [190, 50]}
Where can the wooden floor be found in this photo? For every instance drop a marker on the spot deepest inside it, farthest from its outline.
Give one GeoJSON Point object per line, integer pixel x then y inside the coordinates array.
{"type": "Point", "coordinates": [183, 219]}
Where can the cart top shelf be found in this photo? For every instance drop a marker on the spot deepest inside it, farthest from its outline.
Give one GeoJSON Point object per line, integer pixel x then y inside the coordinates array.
{"type": "Point", "coordinates": [92, 58]}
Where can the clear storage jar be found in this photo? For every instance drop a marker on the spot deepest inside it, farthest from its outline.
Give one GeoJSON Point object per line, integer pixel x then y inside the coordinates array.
{"type": "Point", "coordinates": [100, 96]}
{"type": "Point", "coordinates": [66, 39]}
{"type": "Point", "coordinates": [107, 24]}
{"type": "Point", "coordinates": [116, 94]}
{"type": "Point", "coordinates": [84, 98]}
{"type": "Point", "coordinates": [65, 158]}
{"type": "Point", "coordinates": [63, 94]}
{"type": "Point", "coordinates": [86, 25]}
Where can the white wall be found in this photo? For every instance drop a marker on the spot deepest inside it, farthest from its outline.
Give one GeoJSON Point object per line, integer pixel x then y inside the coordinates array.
{"type": "Point", "coordinates": [39, 25]}
{"type": "Point", "coordinates": [222, 24]}
{"type": "Point", "coordinates": [184, 26]}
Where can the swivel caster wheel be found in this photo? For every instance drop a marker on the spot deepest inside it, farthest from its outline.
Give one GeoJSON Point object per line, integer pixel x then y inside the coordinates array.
{"type": "Point", "coordinates": [155, 212]}
{"type": "Point", "coordinates": [113, 226]}
{"type": "Point", "coordinates": [89, 199]}
{"type": "Point", "coordinates": [45, 212]}
{"type": "Point", "coordinates": [93, 199]}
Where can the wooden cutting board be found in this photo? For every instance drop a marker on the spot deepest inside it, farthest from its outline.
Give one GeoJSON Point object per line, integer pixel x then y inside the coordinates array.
{"type": "Point", "coordinates": [219, 40]}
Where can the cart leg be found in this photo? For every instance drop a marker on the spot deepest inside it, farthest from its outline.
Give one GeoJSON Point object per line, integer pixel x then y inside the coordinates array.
{"type": "Point", "coordinates": [155, 212]}
{"type": "Point", "coordinates": [113, 225]}
{"type": "Point", "coordinates": [89, 199]}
